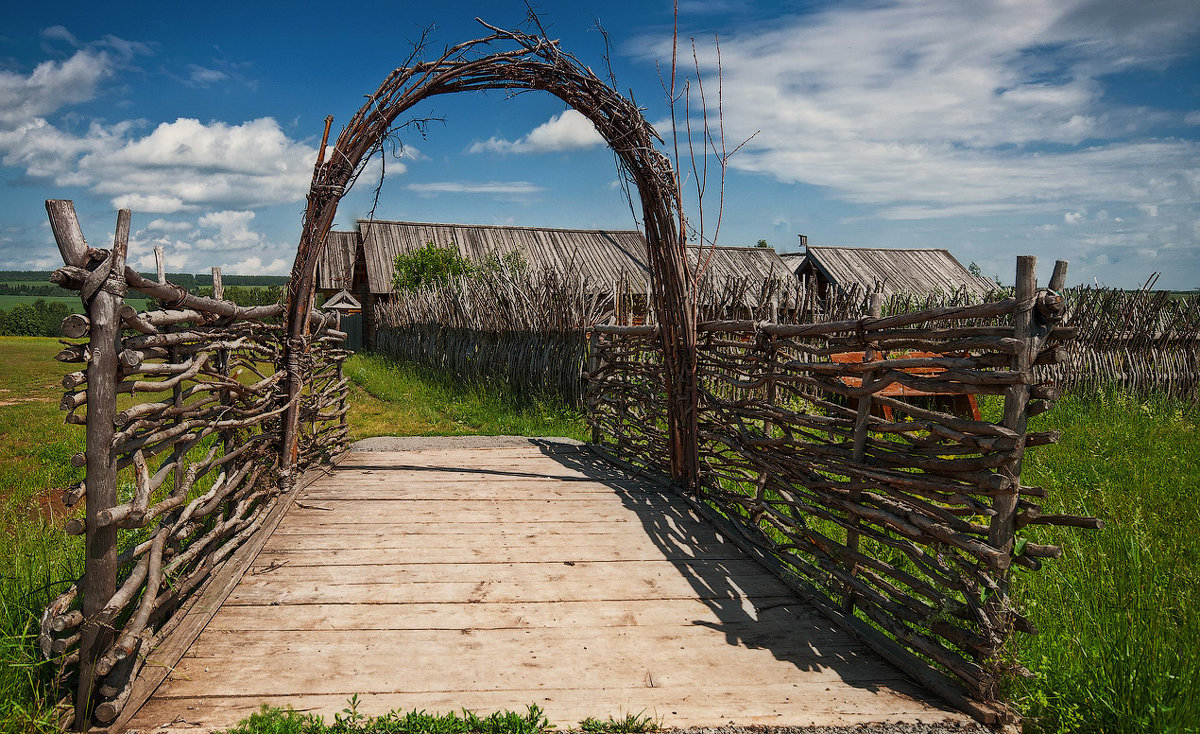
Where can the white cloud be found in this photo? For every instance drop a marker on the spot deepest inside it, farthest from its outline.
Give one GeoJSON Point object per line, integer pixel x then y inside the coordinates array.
{"type": "Point", "coordinates": [183, 165]}
{"type": "Point", "coordinates": [934, 109]}
{"type": "Point", "coordinates": [166, 225]}
{"type": "Point", "coordinates": [1073, 217]}
{"type": "Point", "coordinates": [51, 86]}
{"type": "Point", "coordinates": [508, 188]}
{"type": "Point", "coordinates": [187, 165]}
{"type": "Point", "coordinates": [567, 131]}
{"type": "Point", "coordinates": [189, 246]}
{"type": "Point", "coordinates": [199, 76]}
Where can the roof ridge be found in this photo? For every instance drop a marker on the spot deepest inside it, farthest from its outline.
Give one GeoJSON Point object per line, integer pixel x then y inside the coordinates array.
{"type": "Point", "coordinates": [875, 249]}
{"type": "Point", "coordinates": [499, 226]}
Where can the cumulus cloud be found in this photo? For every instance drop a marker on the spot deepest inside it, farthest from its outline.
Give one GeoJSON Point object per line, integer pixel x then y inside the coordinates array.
{"type": "Point", "coordinates": [51, 86]}
{"type": "Point", "coordinates": [567, 131]}
{"type": "Point", "coordinates": [935, 109]}
{"type": "Point", "coordinates": [189, 246]}
{"type": "Point", "coordinates": [185, 165]}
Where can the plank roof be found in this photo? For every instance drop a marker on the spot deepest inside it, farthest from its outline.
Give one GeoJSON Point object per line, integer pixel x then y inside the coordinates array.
{"type": "Point", "coordinates": [335, 268]}
{"type": "Point", "coordinates": [601, 257]}
{"type": "Point", "coordinates": [898, 271]}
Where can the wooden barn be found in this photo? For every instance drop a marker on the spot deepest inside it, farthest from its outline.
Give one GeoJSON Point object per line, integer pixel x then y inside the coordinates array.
{"type": "Point", "coordinates": [610, 262]}
{"type": "Point", "coordinates": [925, 270]}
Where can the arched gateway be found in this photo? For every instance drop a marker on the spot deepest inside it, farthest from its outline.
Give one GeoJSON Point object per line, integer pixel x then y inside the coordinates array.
{"type": "Point", "coordinates": [512, 60]}
{"type": "Point", "coordinates": [183, 485]}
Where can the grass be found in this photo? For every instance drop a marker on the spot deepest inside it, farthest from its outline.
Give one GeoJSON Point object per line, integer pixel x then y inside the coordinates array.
{"type": "Point", "coordinates": [36, 559]}
{"type": "Point", "coordinates": [1119, 612]}
{"type": "Point", "coordinates": [274, 720]}
{"type": "Point", "coordinates": [7, 302]}
{"type": "Point", "coordinates": [391, 399]}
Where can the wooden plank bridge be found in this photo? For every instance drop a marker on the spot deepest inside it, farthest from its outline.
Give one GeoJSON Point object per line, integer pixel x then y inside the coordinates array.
{"type": "Point", "coordinates": [495, 578]}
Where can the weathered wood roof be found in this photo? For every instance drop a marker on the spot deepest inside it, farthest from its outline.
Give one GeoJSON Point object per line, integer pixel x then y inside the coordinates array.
{"type": "Point", "coordinates": [599, 255]}
{"type": "Point", "coordinates": [335, 269]}
{"type": "Point", "coordinates": [602, 257]}
{"type": "Point", "coordinates": [794, 260]}
{"type": "Point", "coordinates": [899, 271]}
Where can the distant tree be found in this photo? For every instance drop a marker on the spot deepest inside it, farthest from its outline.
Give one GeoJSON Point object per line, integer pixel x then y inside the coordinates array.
{"type": "Point", "coordinates": [975, 269]}
{"type": "Point", "coordinates": [21, 320]}
{"type": "Point", "coordinates": [761, 243]}
{"type": "Point", "coordinates": [428, 266]}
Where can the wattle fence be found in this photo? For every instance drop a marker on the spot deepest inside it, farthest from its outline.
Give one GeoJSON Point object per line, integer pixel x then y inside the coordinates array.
{"type": "Point", "coordinates": [183, 411]}
{"type": "Point", "coordinates": [899, 520]}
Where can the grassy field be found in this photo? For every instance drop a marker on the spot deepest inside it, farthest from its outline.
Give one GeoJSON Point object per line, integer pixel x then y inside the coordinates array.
{"type": "Point", "coordinates": [1119, 613]}
{"type": "Point", "coordinates": [7, 302]}
{"type": "Point", "coordinates": [390, 399]}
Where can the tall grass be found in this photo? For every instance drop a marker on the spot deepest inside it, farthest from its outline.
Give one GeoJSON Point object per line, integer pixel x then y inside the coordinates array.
{"type": "Point", "coordinates": [1119, 649]}
{"type": "Point", "coordinates": [1119, 613]}
{"type": "Point", "coordinates": [390, 398]}
{"type": "Point", "coordinates": [37, 560]}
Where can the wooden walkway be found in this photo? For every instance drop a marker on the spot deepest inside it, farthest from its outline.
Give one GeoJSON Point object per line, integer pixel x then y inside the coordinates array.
{"type": "Point", "coordinates": [495, 578]}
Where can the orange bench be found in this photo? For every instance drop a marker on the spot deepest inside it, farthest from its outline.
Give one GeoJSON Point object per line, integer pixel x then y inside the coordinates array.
{"type": "Point", "coordinates": [959, 404]}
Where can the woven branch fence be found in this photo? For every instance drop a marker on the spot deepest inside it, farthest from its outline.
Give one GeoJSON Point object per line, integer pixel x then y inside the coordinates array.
{"type": "Point", "coordinates": [904, 529]}
{"type": "Point", "coordinates": [182, 409]}
{"type": "Point", "coordinates": [522, 330]}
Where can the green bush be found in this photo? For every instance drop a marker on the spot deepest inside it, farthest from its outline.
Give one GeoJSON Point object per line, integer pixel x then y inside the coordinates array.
{"type": "Point", "coordinates": [436, 265]}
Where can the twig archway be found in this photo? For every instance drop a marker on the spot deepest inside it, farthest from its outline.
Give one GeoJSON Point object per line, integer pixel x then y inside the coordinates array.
{"type": "Point", "coordinates": [522, 62]}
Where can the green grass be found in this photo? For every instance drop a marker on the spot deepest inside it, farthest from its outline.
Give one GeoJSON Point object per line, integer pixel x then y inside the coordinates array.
{"type": "Point", "coordinates": [627, 724]}
{"type": "Point", "coordinates": [1119, 613]}
{"type": "Point", "coordinates": [7, 302]}
{"type": "Point", "coordinates": [270, 720]}
{"type": "Point", "coordinates": [36, 559]}
{"type": "Point", "coordinates": [392, 399]}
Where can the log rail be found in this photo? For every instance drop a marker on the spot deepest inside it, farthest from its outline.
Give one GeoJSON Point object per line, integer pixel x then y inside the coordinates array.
{"type": "Point", "coordinates": [183, 412]}
{"type": "Point", "coordinates": [904, 531]}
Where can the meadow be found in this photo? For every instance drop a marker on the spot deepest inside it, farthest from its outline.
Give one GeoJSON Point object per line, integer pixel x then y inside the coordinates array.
{"type": "Point", "coordinates": [1119, 613]}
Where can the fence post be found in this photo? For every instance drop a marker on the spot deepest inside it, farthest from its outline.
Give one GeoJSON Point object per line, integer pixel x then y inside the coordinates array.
{"type": "Point", "coordinates": [1003, 526]}
{"type": "Point", "coordinates": [102, 294]}
{"type": "Point", "coordinates": [593, 366]}
{"type": "Point", "coordinates": [865, 402]}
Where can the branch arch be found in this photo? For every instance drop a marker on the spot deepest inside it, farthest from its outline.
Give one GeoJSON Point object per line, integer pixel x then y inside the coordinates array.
{"type": "Point", "coordinates": [511, 60]}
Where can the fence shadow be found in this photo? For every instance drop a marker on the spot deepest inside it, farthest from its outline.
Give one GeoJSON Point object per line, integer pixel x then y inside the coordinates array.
{"type": "Point", "coordinates": [717, 571]}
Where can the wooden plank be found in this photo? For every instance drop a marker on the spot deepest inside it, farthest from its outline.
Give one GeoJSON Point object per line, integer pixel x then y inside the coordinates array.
{"type": "Point", "coordinates": [610, 527]}
{"type": "Point", "coordinates": [435, 511]}
{"type": "Point", "coordinates": [514, 615]}
{"type": "Point", "coordinates": [288, 663]}
{"type": "Point", "coordinates": [492, 590]}
{"type": "Point", "coordinates": [791, 703]}
{"type": "Point", "coordinates": [196, 612]}
{"type": "Point", "coordinates": [383, 488]}
{"type": "Point", "coordinates": [474, 583]}
{"type": "Point", "coordinates": [535, 550]}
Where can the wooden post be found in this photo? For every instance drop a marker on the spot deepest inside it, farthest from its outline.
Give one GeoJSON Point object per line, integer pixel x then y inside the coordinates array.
{"type": "Point", "coordinates": [161, 263]}
{"type": "Point", "coordinates": [860, 446]}
{"type": "Point", "coordinates": [1003, 526]}
{"type": "Point", "coordinates": [222, 358]}
{"type": "Point", "coordinates": [593, 366]}
{"type": "Point", "coordinates": [102, 300]}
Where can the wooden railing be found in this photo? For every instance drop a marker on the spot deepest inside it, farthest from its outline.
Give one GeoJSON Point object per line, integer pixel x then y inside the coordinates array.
{"type": "Point", "coordinates": [182, 411]}
{"type": "Point", "coordinates": [903, 530]}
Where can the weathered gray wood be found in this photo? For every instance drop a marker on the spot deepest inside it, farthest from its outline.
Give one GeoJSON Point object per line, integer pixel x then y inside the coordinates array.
{"type": "Point", "coordinates": [673, 609]}
{"type": "Point", "coordinates": [865, 404]}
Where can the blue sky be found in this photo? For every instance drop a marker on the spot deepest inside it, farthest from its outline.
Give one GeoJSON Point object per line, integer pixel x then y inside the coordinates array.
{"type": "Point", "coordinates": [1060, 128]}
